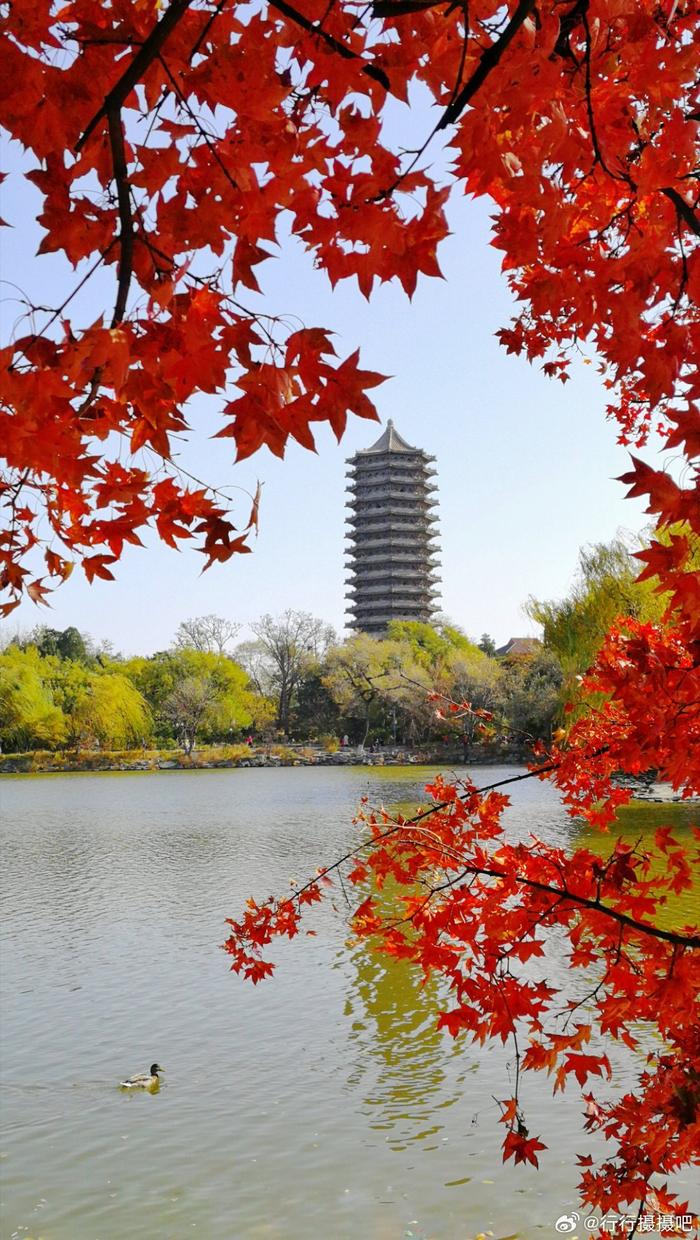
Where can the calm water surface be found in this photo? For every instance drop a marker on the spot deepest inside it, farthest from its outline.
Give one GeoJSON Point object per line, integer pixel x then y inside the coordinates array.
{"type": "Point", "coordinates": [320, 1104]}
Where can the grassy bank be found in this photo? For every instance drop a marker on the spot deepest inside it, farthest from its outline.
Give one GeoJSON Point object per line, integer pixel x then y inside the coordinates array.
{"type": "Point", "coordinates": [225, 756]}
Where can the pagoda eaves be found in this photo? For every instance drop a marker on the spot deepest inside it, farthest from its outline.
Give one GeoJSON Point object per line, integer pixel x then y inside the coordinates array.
{"type": "Point", "coordinates": [392, 553]}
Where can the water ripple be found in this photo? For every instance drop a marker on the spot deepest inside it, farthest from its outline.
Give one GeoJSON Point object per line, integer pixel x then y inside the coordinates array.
{"type": "Point", "coordinates": [323, 1104]}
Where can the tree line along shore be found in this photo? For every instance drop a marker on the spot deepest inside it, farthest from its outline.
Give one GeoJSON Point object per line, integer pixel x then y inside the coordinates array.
{"type": "Point", "coordinates": [294, 693]}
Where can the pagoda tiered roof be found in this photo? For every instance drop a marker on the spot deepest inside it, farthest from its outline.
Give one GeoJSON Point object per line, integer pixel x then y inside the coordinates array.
{"type": "Point", "coordinates": [392, 552]}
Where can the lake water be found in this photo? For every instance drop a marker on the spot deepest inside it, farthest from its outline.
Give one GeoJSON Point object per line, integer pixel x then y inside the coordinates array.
{"type": "Point", "coordinates": [322, 1103]}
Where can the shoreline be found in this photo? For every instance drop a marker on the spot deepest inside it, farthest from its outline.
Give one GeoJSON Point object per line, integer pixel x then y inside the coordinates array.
{"type": "Point", "coordinates": [271, 757]}
{"type": "Point", "coordinates": [217, 758]}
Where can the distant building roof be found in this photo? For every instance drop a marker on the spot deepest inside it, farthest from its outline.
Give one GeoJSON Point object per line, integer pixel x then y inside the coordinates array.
{"type": "Point", "coordinates": [520, 645]}
{"type": "Point", "coordinates": [389, 441]}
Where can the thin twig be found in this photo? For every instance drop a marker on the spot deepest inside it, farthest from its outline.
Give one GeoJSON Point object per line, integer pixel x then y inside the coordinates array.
{"type": "Point", "coordinates": [59, 309]}
{"type": "Point", "coordinates": [642, 927]}
{"type": "Point", "coordinates": [210, 143]}
{"type": "Point", "coordinates": [207, 27]}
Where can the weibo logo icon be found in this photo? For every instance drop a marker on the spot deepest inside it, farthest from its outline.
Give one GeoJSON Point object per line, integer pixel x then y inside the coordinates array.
{"type": "Point", "coordinates": [566, 1223]}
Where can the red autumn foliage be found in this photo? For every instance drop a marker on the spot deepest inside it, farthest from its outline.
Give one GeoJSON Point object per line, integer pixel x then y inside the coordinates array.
{"type": "Point", "coordinates": [170, 146]}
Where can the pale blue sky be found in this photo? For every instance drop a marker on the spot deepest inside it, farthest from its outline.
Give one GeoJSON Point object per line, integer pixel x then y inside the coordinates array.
{"type": "Point", "coordinates": [526, 466]}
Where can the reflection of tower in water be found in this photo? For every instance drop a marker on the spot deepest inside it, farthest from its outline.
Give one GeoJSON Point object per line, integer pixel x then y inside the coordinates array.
{"type": "Point", "coordinates": [408, 1070]}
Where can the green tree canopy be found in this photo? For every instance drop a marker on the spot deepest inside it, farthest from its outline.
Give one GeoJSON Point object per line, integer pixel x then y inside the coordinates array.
{"type": "Point", "coordinates": [487, 645]}
{"type": "Point", "coordinates": [46, 700]}
{"type": "Point", "coordinates": [531, 696]}
{"type": "Point", "coordinates": [29, 715]}
{"type": "Point", "coordinates": [113, 712]}
{"type": "Point", "coordinates": [471, 676]}
{"type": "Point", "coordinates": [64, 643]}
{"type": "Point", "coordinates": [430, 644]}
{"type": "Point", "coordinates": [99, 706]}
{"type": "Point", "coordinates": [219, 699]}
{"type": "Point", "coordinates": [604, 588]}
{"type": "Point", "coordinates": [357, 675]}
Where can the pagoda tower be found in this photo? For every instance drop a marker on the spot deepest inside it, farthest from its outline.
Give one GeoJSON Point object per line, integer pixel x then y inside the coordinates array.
{"type": "Point", "coordinates": [392, 554]}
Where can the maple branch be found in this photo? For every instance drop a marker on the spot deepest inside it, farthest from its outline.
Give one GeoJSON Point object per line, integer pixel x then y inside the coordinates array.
{"type": "Point", "coordinates": [562, 894]}
{"type": "Point", "coordinates": [530, 774]}
{"type": "Point", "coordinates": [592, 994]}
{"type": "Point", "coordinates": [287, 10]}
{"type": "Point", "coordinates": [637, 1221]}
{"type": "Point", "coordinates": [567, 24]}
{"type": "Point", "coordinates": [136, 68]}
{"type": "Point", "coordinates": [93, 388]}
{"type": "Point", "coordinates": [516, 1086]}
{"type": "Point", "coordinates": [207, 27]}
{"type": "Point", "coordinates": [126, 219]}
{"type": "Point", "coordinates": [516, 779]}
{"type": "Point", "coordinates": [642, 927]}
{"type": "Point", "coordinates": [399, 826]}
{"type": "Point", "coordinates": [538, 921]}
{"type": "Point", "coordinates": [55, 313]}
{"type": "Point", "coordinates": [589, 84]}
{"type": "Point", "coordinates": [12, 503]}
{"type": "Point", "coordinates": [209, 141]}
{"type": "Point", "coordinates": [460, 98]}
{"type": "Point", "coordinates": [597, 150]}
{"type": "Point", "coordinates": [465, 49]}
{"type": "Point", "coordinates": [684, 210]}
{"type": "Point", "coordinates": [489, 60]}
{"type": "Point", "coordinates": [103, 41]}
{"type": "Point", "coordinates": [683, 282]}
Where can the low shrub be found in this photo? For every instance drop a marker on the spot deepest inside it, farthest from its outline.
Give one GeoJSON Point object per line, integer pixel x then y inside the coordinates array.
{"type": "Point", "coordinates": [331, 744]}
{"type": "Point", "coordinates": [283, 752]}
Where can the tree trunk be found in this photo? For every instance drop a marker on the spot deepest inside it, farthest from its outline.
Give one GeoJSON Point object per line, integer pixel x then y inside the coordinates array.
{"type": "Point", "coordinates": [282, 712]}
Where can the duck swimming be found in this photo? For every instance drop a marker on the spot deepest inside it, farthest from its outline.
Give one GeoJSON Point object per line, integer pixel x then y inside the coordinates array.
{"type": "Point", "coordinates": [143, 1080]}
